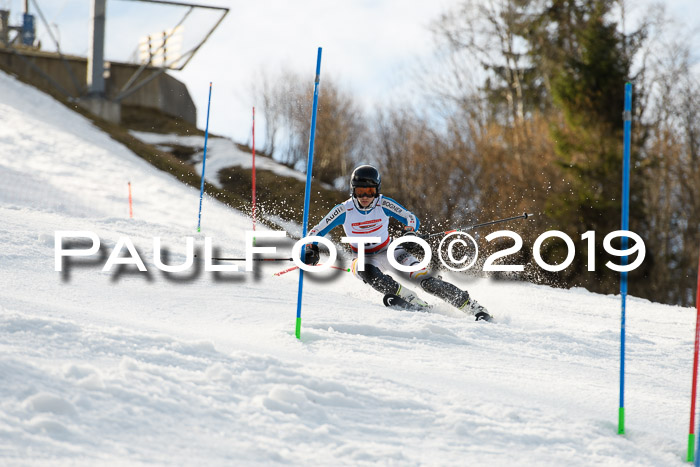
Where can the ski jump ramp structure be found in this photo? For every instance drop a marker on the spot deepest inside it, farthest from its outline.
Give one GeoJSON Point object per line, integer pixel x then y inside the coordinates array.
{"type": "Point", "coordinates": [101, 86]}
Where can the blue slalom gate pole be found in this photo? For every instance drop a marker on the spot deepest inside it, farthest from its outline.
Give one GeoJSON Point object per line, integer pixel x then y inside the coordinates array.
{"type": "Point", "coordinates": [307, 191]}
{"type": "Point", "coordinates": [204, 164]}
{"type": "Point", "coordinates": [625, 226]}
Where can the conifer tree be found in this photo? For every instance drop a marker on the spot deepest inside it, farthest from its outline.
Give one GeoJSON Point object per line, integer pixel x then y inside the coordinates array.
{"type": "Point", "coordinates": [586, 61]}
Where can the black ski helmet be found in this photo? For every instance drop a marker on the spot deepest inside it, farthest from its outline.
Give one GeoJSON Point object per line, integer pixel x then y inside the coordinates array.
{"type": "Point", "coordinates": [365, 176]}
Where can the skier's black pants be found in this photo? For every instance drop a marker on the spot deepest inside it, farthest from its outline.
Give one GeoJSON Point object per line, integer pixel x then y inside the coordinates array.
{"type": "Point", "coordinates": [385, 284]}
{"type": "Point", "coordinates": [446, 291]}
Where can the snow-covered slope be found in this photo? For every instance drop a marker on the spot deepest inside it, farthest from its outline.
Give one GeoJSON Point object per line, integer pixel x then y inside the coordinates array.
{"type": "Point", "coordinates": [131, 368]}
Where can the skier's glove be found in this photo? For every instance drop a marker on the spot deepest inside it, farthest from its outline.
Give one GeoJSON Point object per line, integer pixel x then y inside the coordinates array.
{"type": "Point", "coordinates": [408, 231]}
{"type": "Point", "coordinates": [312, 256]}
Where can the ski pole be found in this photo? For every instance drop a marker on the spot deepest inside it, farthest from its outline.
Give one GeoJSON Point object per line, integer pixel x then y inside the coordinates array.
{"type": "Point", "coordinates": [476, 226]}
{"type": "Point", "coordinates": [254, 259]}
{"type": "Point", "coordinates": [276, 259]}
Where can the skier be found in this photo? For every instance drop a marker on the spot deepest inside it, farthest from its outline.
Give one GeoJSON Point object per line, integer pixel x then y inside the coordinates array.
{"type": "Point", "coordinates": [367, 213]}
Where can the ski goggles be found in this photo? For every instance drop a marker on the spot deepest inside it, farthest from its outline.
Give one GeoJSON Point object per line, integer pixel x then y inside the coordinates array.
{"type": "Point", "coordinates": [365, 192]}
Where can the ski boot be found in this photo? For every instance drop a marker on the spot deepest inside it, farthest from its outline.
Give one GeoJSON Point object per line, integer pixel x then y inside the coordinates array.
{"type": "Point", "coordinates": [474, 308]}
{"type": "Point", "coordinates": [412, 299]}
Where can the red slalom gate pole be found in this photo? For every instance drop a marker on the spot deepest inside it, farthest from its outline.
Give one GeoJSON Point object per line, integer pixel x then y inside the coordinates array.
{"type": "Point", "coordinates": [691, 433]}
{"type": "Point", "coordinates": [131, 210]}
{"type": "Point", "coordinates": [253, 172]}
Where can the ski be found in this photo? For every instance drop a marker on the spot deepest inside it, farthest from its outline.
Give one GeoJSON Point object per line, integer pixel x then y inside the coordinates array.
{"type": "Point", "coordinates": [396, 302]}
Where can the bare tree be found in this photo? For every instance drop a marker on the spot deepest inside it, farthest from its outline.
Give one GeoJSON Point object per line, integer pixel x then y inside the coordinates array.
{"type": "Point", "coordinates": [264, 91]}
{"type": "Point", "coordinates": [340, 128]}
{"type": "Point", "coordinates": [486, 33]}
{"type": "Point", "coordinates": [672, 202]}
